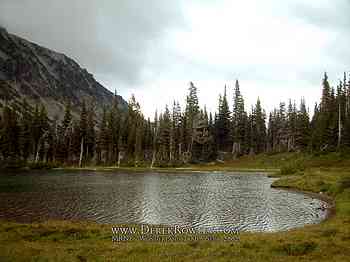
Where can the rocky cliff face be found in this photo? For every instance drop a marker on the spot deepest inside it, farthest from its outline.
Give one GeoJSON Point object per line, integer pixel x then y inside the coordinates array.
{"type": "Point", "coordinates": [43, 76]}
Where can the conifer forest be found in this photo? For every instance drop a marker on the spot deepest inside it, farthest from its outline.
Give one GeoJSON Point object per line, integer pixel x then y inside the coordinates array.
{"type": "Point", "coordinates": [176, 136]}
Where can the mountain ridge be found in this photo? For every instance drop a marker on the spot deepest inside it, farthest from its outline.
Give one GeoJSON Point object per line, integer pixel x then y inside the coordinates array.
{"type": "Point", "coordinates": [40, 75]}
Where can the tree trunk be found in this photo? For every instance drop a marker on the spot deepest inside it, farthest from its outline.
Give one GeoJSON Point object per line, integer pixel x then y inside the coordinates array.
{"type": "Point", "coordinates": [87, 154]}
{"type": "Point", "coordinates": [37, 153]}
{"type": "Point", "coordinates": [153, 158]}
{"type": "Point", "coordinates": [339, 128]}
{"type": "Point", "coordinates": [236, 149]}
{"type": "Point", "coordinates": [81, 152]}
{"type": "Point", "coordinates": [119, 158]}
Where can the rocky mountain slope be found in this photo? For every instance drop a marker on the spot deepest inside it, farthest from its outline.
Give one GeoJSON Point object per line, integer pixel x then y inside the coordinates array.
{"type": "Point", "coordinates": [40, 75]}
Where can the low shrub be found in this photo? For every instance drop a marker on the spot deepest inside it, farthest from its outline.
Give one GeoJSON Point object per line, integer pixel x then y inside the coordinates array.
{"type": "Point", "coordinates": [12, 164]}
{"type": "Point", "coordinates": [344, 183]}
{"type": "Point", "coordinates": [292, 167]}
{"type": "Point", "coordinates": [297, 249]}
{"type": "Point", "coordinates": [42, 165]}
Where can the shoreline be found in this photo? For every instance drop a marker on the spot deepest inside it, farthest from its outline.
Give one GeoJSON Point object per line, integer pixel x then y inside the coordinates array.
{"type": "Point", "coordinates": [165, 170]}
{"type": "Point", "coordinates": [331, 204]}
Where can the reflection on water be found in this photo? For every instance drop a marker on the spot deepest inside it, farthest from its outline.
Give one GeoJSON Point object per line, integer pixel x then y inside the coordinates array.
{"type": "Point", "coordinates": [211, 201]}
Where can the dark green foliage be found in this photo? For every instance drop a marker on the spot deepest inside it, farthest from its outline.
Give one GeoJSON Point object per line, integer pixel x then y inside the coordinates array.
{"type": "Point", "coordinates": [43, 165]}
{"type": "Point", "coordinates": [191, 112]}
{"type": "Point", "coordinates": [83, 122]}
{"type": "Point", "coordinates": [40, 127]}
{"type": "Point", "coordinates": [175, 142]}
{"type": "Point", "coordinates": [103, 139]}
{"type": "Point", "coordinates": [239, 122]}
{"type": "Point", "coordinates": [164, 137]}
{"type": "Point", "coordinates": [289, 130]}
{"type": "Point", "coordinates": [9, 134]}
{"type": "Point", "coordinates": [297, 249]}
{"type": "Point", "coordinates": [113, 131]}
{"type": "Point", "coordinates": [325, 120]}
{"type": "Point", "coordinates": [302, 127]}
{"type": "Point", "coordinates": [90, 135]}
{"type": "Point", "coordinates": [330, 123]}
{"type": "Point", "coordinates": [292, 167]}
{"type": "Point", "coordinates": [192, 107]}
{"type": "Point", "coordinates": [223, 125]}
{"type": "Point", "coordinates": [64, 134]}
{"type": "Point", "coordinates": [256, 135]}
{"type": "Point", "coordinates": [52, 141]}
{"type": "Point", "coordinates": [344, 183]}
{"type": "Point", "coordinates": [176, 137]}
{"type": "Point", "coordinates": [132, 133]}
{"type": "Point", "coordinates": [25, 140]}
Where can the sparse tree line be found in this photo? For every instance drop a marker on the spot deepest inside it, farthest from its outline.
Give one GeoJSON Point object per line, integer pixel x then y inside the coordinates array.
{"type": "Point", "coordinates": [175, 136]}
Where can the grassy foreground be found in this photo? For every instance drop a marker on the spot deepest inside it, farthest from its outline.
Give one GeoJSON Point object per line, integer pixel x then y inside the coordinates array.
{"type": "Point", "coordinates": [84, 241]}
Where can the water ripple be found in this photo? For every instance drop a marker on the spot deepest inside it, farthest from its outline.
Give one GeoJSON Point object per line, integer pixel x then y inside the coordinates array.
{"type": "Point", "coordinates": [207, 201]}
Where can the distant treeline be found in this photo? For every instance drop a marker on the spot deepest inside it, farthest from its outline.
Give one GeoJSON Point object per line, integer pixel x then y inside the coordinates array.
{"type": "Point", "coordinates": [175, 136]}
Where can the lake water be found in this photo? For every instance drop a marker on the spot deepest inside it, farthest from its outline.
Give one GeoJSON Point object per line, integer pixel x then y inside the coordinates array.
{"type": "Point", "coordinates": [209, 200]}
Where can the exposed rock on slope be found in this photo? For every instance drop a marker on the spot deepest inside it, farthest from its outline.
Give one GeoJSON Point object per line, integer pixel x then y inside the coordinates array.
{"type": "Point", "coordinates": [38, 74]}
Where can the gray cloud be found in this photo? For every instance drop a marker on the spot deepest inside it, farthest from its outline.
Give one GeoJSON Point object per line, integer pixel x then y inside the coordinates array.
{"type": "Point", "coordinates": [325, 14]}
{"type": "Point", "coordinates": [332, 17]}
{"type": "Point", "coordinates": [148, 45]}
{"type": "Point", "coordinates": [108, 37]}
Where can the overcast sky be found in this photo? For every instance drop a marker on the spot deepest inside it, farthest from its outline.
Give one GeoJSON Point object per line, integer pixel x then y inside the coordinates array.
{"type": "Point", "coordinates": [277, 49]}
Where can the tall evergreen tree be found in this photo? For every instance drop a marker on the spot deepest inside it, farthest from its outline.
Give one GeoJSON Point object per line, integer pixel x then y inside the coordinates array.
{"type": "Point", "coordinates": [165, 136]}
{"type": "Point", "coordinates": [9, 136]}
{"type": "Point", "coordinates": [40, 127]}
{"type": "Point", "coordinates": [303, 131]}
{"type": "Point", "coordinates": [258, 128]}
{"type": "Point", "coordinates": [36, 130]}
{"type": "Point", "coordinates": [223, 125]}
{"type": "Point", "coordinates": [114, 129]}
{"type": "Point", "coordinates": [83, 131]}
{"type": "Point", "coordinates": [65, 135]}
{"type": "Point", "coordinates": [25, 139]}
{"type": "Point", "coordinates": [326, 121]}
{"type": "Point", "coordinates": [90, 134]}
{"type": "Point", "coordinates": [192, 111]}
{"type": "Point", "coordinates": [103, 139]}
{"type": "Point", "coordinates": [239, 118]}
{"type": "Point", "coordinates": [291, 125]}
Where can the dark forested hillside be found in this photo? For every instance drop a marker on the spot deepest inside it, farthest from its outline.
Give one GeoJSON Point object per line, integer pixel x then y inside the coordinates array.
{"type": "Point", "coordinates": [39, 75]}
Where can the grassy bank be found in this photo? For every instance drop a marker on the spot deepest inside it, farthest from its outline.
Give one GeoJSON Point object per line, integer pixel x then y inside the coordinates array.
{"type": "Point", "coordinates": [290, 162]}
{"type": "Point", "coordinates": [83, 241]}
